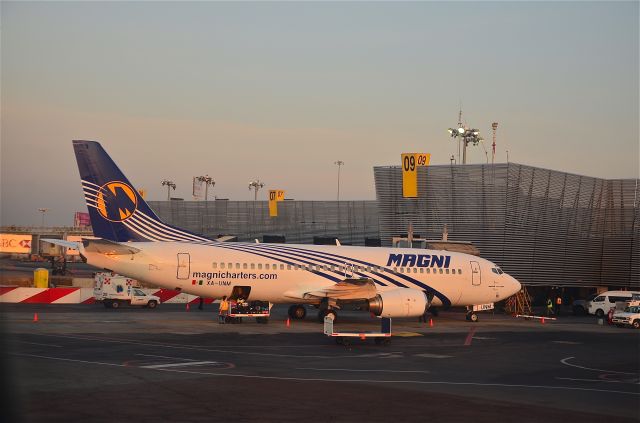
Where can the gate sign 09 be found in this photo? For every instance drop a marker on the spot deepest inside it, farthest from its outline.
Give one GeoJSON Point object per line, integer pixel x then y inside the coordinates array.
{"type": "Point", "coordinates": [410, 164]}
{"type": "Point", "coordinates": [275, 195]}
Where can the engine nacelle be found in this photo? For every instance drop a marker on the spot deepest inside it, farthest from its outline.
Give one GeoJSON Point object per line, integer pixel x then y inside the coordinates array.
{"type": "Point", "coordinates": [401, 302]}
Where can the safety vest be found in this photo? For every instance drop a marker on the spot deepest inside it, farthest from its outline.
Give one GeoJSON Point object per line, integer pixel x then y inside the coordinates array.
{"type": "Point", "coordinates": [559, 300]}
{"type": "Point", "coordinates": [549, 303]}
{"type": "Point", "coordinates": [224, 305]}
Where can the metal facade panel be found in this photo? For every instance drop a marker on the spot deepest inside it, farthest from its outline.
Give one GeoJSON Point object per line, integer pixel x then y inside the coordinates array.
{"type": "Point", "coordinates": [544, 227]}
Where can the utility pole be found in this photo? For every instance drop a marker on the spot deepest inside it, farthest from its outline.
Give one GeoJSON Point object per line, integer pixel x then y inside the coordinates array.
{"type": "Point", "coordinates": [340, 163]}
{"type": "Point", "coordinates": [170, 185]}
{"type": "Point", "coordinates": [207, 180]}
{"type": "Point", "coordinates": [255, 185]}
{"type": "Point", "coordinates": [43, 211]}
{"type": "Point", "coordinates": [494, 126]}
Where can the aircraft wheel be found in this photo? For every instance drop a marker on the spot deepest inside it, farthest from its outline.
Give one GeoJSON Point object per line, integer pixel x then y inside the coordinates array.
{"type": "Point", "coordinates": [472, 317]}
{"type": "Point", "coordinates": [297, 311]}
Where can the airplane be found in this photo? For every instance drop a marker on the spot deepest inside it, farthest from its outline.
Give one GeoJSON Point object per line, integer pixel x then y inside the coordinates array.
{"type": "Point", "coordinates": [130, 239]}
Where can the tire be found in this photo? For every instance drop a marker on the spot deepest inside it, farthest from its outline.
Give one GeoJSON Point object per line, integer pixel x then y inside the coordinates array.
{"type": "Point", "coordinates": [152, 304]}
{"type": "Point", "coordinates": [299, 312]}
{"type": "Point", "coordinates": [473, 317]}
{"type": "Point", "coordinates": [599, 313]}
{"type": "Point", "coordinates": [636, 324]}
{"type": "Point", "coordinates": [115, 304]}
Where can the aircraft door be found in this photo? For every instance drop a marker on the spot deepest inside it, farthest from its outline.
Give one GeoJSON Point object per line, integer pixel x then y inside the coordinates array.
{"type": "Point", "coordinates": [184, 266]}
{"type": "Point", "coordinates": [476, 275]}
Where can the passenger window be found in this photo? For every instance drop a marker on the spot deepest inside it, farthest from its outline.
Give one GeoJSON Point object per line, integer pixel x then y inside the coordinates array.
{"type": "Point", "coordinates": [428, 270]}
{"type": "Point", "coordinates": [422, 270]}
{"type": "Point", "coordinates": [253, 265]}
{"type": "Point", "coordinates": [244, 265]}
{"type": "Point", "coordinates": [221, 265]}
{"type": "Point", "coordinates": [440, 271]}
{"type": "Point", "coordinates": [237, 265]}
{"type": "Point", "coordinates": [459, 271]}
{"type": "Point", "coordinates": [282, 267]}
{"type": "Point", "coordinates": [415, 270]}
{"type": "Point", "coordinates": [230, 265]}
{"type": "Point", "coordinates": [259, 265]}
{"type": "Point", "coordinates": [447, 271]}
{"type": "Point", "coordinates": [288, 267]}
{"type": "Point", "coordinates": [215, 265]}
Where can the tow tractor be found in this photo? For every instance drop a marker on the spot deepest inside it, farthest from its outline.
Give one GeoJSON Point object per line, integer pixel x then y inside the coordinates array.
{"type": "Point", "coordinates": [344, 338]}
{"type": "Point", "coordinates": [471, 311]}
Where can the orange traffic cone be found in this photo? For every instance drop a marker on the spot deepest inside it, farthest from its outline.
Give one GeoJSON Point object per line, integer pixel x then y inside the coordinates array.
{"type": "Point", "coordinates": [430, 323]}
{"type": "Point", "coordinates": [288, 322]}
{"type": "Point", "coordinates": [35, 317]}
{"type": "Point", "coordinates": [188, 306]}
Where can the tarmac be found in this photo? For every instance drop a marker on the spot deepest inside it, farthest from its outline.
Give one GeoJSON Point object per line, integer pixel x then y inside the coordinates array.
{"type": "Point", "coordinates": [88, 363]}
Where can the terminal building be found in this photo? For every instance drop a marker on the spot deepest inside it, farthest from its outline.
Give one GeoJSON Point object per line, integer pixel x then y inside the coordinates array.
{"type": "Point", "coordinates": [545, 227]}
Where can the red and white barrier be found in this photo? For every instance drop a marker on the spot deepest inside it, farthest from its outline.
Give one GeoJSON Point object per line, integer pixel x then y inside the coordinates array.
{"type": "Point", "coordinates": [71, 295]}
{"type": "Point", "coordinates": [74, 295]}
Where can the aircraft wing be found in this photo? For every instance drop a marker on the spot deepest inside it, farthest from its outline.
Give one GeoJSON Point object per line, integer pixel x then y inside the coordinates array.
{"type": "Point", "coordinates": [348, 289]}
{"type": "Point", "coordinates": [96, 245]}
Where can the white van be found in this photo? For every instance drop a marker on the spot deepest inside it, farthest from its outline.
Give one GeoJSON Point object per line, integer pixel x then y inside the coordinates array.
{"type": "Point", "coordinates": [601, 304]}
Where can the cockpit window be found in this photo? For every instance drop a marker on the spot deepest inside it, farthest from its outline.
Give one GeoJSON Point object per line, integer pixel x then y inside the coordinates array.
{"type": "Point", "coordinates": [497, 270]}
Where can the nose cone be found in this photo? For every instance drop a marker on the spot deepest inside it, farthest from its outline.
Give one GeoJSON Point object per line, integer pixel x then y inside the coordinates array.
{"type": "Point", "coordinates": [513, 285]}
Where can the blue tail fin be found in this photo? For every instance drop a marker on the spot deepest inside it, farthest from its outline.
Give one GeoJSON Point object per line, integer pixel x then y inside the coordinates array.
{"type": "Point", "coordinates": [117, 211]}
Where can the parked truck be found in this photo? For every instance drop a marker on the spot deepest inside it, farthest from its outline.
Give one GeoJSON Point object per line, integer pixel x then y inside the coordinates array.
{"type": "Point", "coordinates": [115, 290]}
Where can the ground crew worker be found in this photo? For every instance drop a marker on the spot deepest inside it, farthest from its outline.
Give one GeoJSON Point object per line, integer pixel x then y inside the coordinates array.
{"type": "Point", "coordinates": [549, 307]}
{"type": "Point", "coordinates": [224, 309]}
{"type": "Point", "coordinates": [558, 304]}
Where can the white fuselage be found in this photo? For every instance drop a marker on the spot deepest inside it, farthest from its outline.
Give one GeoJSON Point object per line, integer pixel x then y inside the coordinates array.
{"type": "Point", "coordinates": [282, 273]}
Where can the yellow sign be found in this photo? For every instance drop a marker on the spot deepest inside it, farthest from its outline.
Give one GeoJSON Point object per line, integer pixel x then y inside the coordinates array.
{"type": "Point", "coordinates": [275, 195]}
{"type": "Point", "coordinates": [410, 164]}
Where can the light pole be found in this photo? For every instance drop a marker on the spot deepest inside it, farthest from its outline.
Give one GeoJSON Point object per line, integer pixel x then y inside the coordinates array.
{"type": "Point", "coordinates": [467, 136]}
{"type": "Point", "coordinates": [207, 180]}
{"type": "Point", "coordinates": [170, 185]}
{"type": "Point", "coordinates": [339, 163]}
{"type": "Point", "coordinates": [43, 211]}
{"type": "Point", "coordinates": [255, 185]}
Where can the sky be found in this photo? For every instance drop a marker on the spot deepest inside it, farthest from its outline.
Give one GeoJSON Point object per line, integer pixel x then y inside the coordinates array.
{"type": "Point", "coordinates": [280, 91]}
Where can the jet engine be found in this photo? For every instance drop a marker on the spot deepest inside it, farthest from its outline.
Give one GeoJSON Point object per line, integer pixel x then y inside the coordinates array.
{"type": "Point", "coordinates": [401, 302]}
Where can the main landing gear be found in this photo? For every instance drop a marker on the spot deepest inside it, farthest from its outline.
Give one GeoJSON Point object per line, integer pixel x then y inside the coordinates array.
{"type": "Point", "coordinates": [471, 316]}
{"type": "Point", "coordinates": [327, 312]}
{"type": "Point", "coordinates": [297, 311]}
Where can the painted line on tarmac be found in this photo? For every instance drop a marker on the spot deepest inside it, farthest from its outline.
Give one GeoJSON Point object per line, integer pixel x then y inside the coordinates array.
{"type": "Point", "coordinates": [565, 362]}
{"type": "Point", "coordinates": [427, 355]}
{"type": "Point", "coordinates": [363, 370]}
{"type": "Point", "coordinates": [419, 382]}
{"type": "Point", "coordinates": [36, 343]}
{"type": "Point", "coordinates": [196, 348]}
{"type": "Point", "coordinates": [567, 342]}
{"type": "Point", "coordinates": [187, 363]}
{"type": "Point", "coordinates": [598, 380]}
{"type": "Point", "coordinates": [467, 341]}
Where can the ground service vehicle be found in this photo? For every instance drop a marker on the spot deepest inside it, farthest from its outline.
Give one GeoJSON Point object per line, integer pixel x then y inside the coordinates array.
{"type": "Point", "coordinates": [630, 316]}
{"type": "Point", "coordinates": [388, 282]}
{"type": "Point", "coordinates": [605, 301]}
{"type": "Point", "coordinates": [114, 290]}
